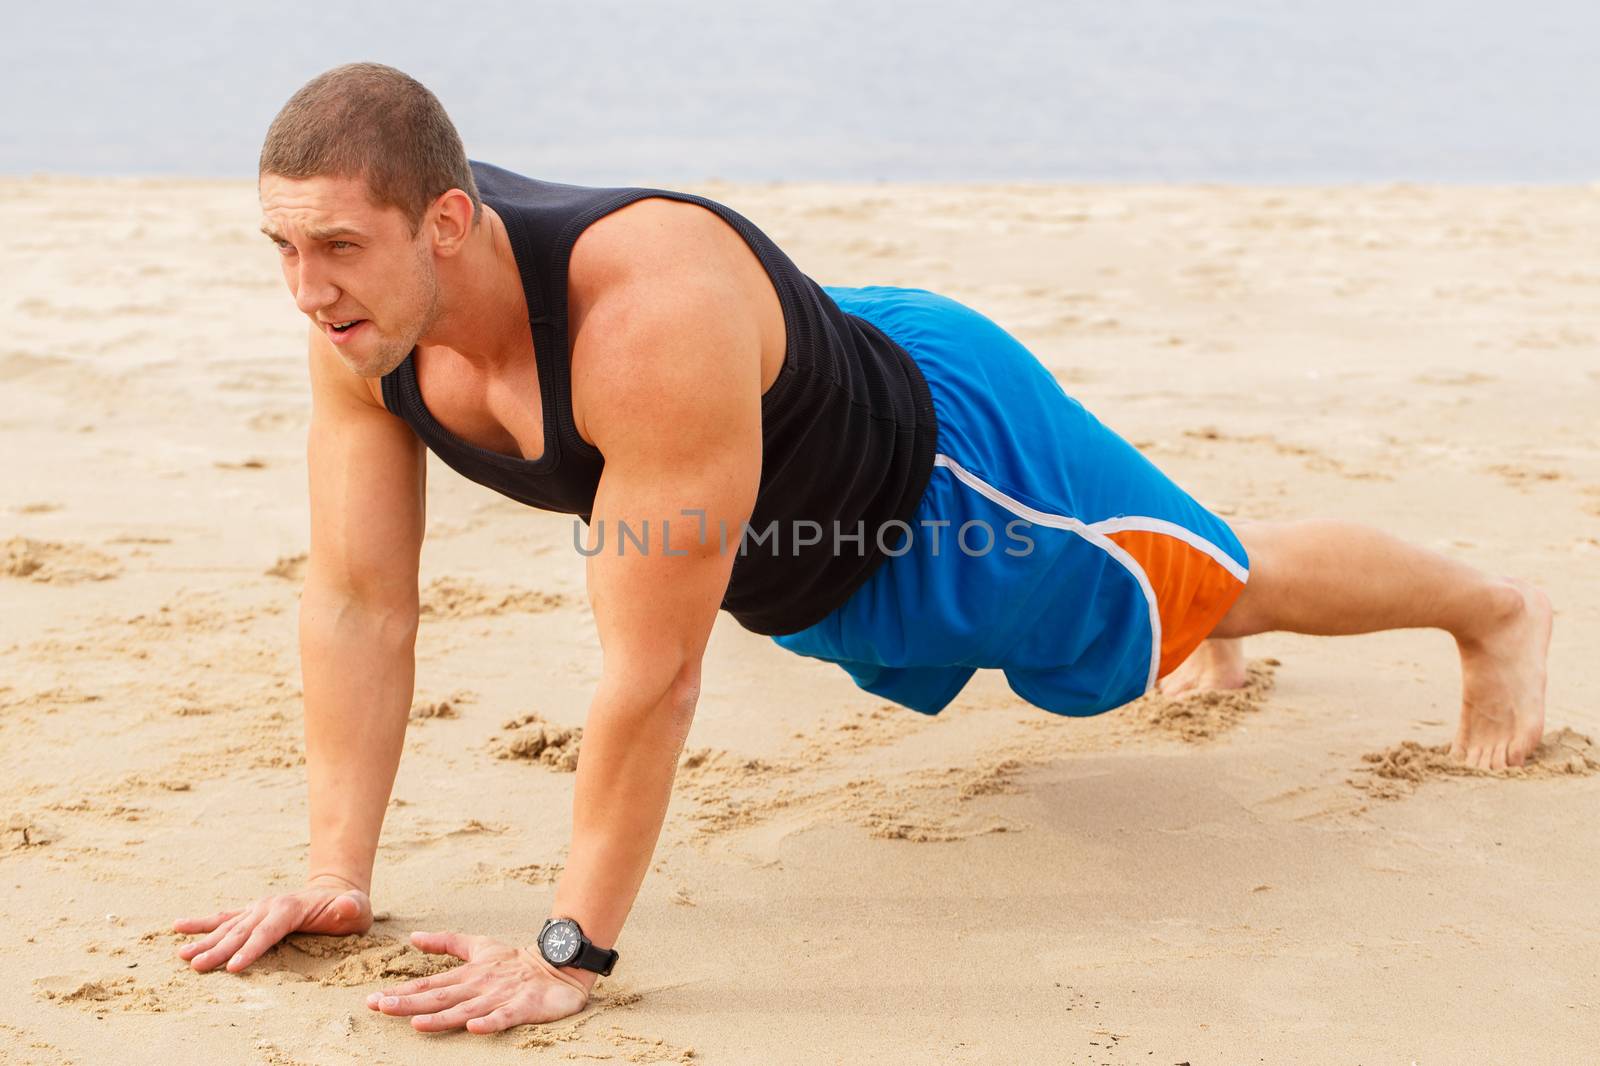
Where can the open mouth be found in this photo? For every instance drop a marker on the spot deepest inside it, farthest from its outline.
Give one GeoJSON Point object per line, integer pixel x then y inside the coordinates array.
{"type": "Point", "coordinates": [338, 331]}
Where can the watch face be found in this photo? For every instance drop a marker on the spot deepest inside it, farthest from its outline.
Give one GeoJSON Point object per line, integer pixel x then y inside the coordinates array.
{"type": "Point", "coordinates": [560, 942]}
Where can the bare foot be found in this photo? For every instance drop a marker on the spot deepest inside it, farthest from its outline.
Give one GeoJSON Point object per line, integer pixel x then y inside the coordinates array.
{"type": "Point", "coordinates": [1502, 684]}
{"type": "Point", "coordinates": [1215, 665]}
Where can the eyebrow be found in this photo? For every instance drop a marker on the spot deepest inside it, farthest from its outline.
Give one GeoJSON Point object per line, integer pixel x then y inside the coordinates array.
{"type": "Point", "coordinates": [316, 233]}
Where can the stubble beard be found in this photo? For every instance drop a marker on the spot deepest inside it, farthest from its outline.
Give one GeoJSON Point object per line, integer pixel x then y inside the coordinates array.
{"type": "Point", "coordinates": [393, 348]}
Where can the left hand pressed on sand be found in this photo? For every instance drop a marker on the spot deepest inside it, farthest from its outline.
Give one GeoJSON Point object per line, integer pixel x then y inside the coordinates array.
{"type": "Point", "coordinates": [497, 986]}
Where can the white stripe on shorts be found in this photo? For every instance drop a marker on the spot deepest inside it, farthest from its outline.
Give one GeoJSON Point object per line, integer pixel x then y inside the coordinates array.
{"type": "Point", "coordinates": [1095, 534]}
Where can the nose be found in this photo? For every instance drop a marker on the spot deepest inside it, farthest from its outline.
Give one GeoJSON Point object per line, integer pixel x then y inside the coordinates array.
{"type": "Point", "coordinates": [312, 289]}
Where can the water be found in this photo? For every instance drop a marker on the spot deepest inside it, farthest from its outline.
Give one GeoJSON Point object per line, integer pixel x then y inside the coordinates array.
{"type": "Point", "coordinates": [608, 92]}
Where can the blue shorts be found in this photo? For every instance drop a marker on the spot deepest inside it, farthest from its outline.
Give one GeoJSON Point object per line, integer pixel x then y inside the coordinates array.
{"type": "Point", "coordinates": [1045, 545]}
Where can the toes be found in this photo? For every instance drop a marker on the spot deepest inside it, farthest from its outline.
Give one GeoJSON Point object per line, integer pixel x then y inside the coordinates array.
{"type": "Point", "coordinates": [1497, 758]}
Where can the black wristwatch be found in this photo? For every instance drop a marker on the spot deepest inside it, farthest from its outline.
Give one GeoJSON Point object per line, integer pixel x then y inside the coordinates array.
{"type": "Point", "coordinates": [562, 943]}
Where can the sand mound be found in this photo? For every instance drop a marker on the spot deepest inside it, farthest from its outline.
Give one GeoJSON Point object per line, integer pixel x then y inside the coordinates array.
{"type": "Point", "coordinates": [1200, 716]}
{"type": "Point", "coordinates": [532, 739]}
{"type": "Point", "coordinates": [449, 707]}
{"type": "Point", "coordinates": [23, 832]}
{"type": "Point", "coordinates": [120, 993]}
{"type": "Point", "coordinates": [1399, 770]}
{"type": "Point", "coordinates": [57, 564]}
{"type": "Point", "coordinates": [289, 567]}
{"type": "Point", "coordinates": [348, 961]}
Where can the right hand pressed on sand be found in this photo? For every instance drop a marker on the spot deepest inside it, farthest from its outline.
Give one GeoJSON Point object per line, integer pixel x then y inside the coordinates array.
{"type": "Point", "coordinates": [240, 937]}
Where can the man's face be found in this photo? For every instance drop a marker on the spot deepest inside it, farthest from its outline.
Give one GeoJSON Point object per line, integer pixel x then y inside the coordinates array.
{"type": "Point", "coordinates": [346, 258]}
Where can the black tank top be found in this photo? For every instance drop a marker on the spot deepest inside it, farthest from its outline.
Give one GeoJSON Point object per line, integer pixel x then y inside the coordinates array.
{"type": "Point", "coordinates": [847, 428]}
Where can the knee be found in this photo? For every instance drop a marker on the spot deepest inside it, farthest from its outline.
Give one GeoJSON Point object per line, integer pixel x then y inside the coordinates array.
{"type": "Point", "coordinates": [1248, 615]}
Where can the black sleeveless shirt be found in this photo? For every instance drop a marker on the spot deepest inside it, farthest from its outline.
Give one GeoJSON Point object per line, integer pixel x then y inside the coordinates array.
{"type": "Point", "coordinates": [847, 428]}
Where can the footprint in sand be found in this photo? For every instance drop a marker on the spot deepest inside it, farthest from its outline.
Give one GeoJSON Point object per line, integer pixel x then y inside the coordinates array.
{"type": "Point", "coordinates": [1400, 770]}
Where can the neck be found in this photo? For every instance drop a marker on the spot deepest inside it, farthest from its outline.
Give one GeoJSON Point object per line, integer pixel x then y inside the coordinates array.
{"type": "Point", "coordinates": [483, 312]}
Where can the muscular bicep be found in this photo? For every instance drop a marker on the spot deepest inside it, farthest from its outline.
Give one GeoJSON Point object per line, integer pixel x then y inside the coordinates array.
{"type": "Point", "coordinates": [366, 473]}
{"type": "Point", "coordinates": [678, 418]}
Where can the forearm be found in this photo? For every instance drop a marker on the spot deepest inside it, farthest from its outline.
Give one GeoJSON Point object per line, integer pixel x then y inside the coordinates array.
{"type": "Point", "coordinates": [357, 663]}
{"type": "Point", "coordinates": [626, 766]}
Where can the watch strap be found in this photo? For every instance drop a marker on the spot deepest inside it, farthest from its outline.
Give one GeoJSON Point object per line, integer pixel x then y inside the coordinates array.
{"type": "Point", "coordinates": [595, 959]}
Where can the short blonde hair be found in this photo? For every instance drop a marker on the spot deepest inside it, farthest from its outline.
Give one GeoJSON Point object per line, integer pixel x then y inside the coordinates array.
{"type": "Point", "coordinates": [371, 121]}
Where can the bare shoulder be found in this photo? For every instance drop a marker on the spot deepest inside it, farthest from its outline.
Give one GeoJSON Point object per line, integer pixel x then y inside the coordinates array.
{"type": "Point", "coordinates": [652, 258]}
{"type": "Point", "coordinates": [661, 314]}
{"type": "Point", "coordinates": [654, 238]}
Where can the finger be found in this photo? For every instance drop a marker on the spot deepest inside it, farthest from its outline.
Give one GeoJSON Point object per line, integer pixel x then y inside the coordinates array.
{"type": "Point", "coordinates": [458, 1015]}
{"type": "Point", "coordinates": [194, 947]}
{"type": "Point", "coordinates": [430, 1002]}
{"type": "Point", "coordinates": [224, 948]}
{"type": "Point", "coordinates": [458, 944]}
{"type": "Point", "coordinates": [421, 984]}
{"type": "Point", "coordinates": [203, 925]}
{"type": "Point", "coordinates": [498, 1020]}
{"type": "Point", "coordinates": [267, 932]}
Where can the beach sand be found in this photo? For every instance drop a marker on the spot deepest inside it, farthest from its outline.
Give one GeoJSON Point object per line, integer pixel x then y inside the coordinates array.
{"type": "Point", "coordinates": [1289, 875]}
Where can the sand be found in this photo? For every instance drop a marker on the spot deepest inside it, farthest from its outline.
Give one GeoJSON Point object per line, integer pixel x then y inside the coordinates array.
{"type": "Point", "coordinates": [1293, 874]}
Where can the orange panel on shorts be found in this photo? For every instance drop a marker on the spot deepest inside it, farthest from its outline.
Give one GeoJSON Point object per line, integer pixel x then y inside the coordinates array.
{"type": "Point", "coordinates": [1193, 591]}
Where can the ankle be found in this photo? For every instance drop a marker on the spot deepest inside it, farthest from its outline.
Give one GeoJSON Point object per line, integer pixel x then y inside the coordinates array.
{"type": "Point", "coordinates": [1500, 605]}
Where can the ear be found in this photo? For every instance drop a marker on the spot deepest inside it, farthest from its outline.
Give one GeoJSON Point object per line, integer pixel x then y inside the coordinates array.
{"type": "Point", "coordinates": [449, 218]}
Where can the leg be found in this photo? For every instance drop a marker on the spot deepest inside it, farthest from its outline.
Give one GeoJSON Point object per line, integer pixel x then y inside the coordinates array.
{"type": "Point", "coordinates": [1334, 578]}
